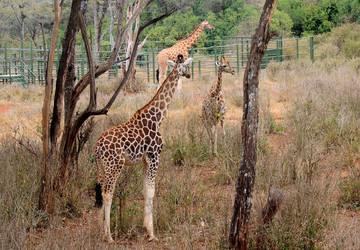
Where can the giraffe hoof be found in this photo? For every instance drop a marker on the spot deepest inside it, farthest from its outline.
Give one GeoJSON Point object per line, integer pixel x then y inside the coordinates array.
{"type": "Point", "coordinates": [153, 238]}
{"type": "Point", "coordinates": [109, 239]}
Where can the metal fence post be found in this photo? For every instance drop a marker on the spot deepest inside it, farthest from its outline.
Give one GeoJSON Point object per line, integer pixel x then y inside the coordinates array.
{"type": "Point", "coordinates": [148, 67]}
{"type": "Point", "coordinates": [15, 62]}
{"type": "Point", "coordinates": [199, 64]}
{"type": "Point", "coordinates": [242, 52]}
{"type": "Point", "coordinates": [247, 50]}
{"type": "Point", "coordinates": [192, 63]}
{"type": "Point", "coordinates": [281, 49]}
{"type": "Point", "coordinates": [215, 57]}
{"type": "Point", "coordinates": [32, 61]}
{"type": "Point", "coordinates": [312, 48]}
{"type": "Point", "coordinates": [5, 66]}
{"type": "Point", "coordinates": [297, 48]}
{"type": "Point", "coordinates": [237, 57]}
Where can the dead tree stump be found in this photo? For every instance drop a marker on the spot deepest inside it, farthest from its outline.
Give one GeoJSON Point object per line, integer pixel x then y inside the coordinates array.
{"type": "Point", "coordinates": [274, 200]}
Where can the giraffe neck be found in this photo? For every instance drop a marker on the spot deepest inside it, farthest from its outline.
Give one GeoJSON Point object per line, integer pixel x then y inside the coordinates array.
{"type": "Point", "coordinates": [189, 41]}
{"type": "Point", "coordinates": [159, 104]}
{"type": "Point", "coordinates": [219, 82]}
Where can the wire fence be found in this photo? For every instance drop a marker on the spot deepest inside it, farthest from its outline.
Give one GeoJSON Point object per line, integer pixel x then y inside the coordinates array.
{"type": "Point", "coordinates": [26, 65]}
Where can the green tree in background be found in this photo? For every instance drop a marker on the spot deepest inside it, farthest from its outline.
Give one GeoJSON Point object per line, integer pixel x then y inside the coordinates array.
{"type": "Point", "coordinates": [281, 23]}
{"type": "Point", "coordinates": [19, 19]}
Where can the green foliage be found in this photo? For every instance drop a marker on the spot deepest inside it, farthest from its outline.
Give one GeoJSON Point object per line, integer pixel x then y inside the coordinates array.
{"type": "Point", "coordinates": [350, 10]}
{"type": "Point", "coordinates": [230, 18]}
{"type": "Point", "coordinates": [225, 17]}
{"type": "Point", "coordinates": [281, 23]}
{"type": "Point", "coordinates": [318, 19]}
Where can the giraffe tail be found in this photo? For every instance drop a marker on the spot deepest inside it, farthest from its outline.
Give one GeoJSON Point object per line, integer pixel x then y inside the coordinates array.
{"type": "Point", "coordinates": [98, 195]}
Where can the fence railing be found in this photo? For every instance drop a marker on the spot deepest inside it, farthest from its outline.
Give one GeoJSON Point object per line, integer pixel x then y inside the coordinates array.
{"type": "Point", "coordinates": [28, 63]}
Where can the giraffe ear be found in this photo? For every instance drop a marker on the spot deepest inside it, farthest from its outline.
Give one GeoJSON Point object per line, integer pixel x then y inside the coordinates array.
{"type": "Point", "coordinates": [170, 63]}
{"type": "Point", "coordinates": [217, 63]}
{"type": "Point", "coordinates": [188, 61]}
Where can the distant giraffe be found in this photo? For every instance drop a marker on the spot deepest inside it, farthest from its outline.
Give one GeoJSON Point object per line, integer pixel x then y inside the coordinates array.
{"type": "Point", "coordinates": [132, 142]}
{"type": "Point", "coordinates": [181, 47]}
{"type": "Point", "coordinates": [214, 108]}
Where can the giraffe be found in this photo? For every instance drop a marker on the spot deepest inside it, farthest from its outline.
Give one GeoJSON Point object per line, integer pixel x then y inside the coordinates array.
{"type": "Point", "coordinates": [214, 108]}
{"type": "Point", "coordinates": [181, 47]}
{"type": "Point", "coordinates": [132, 142]}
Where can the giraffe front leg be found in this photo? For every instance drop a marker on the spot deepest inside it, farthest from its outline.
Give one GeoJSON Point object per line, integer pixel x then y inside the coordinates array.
{"type": "Point", "coordinates": [214, 131]}
{"type": "Point", "coordinates": [222, 126]}
{"type": "Point", "coordinates": [150, 167]}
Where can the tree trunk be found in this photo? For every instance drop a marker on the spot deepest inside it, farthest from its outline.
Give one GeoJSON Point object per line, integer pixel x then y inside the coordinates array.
{"type": "Point", "coordinates": [112, 22]}
{"type": "Point", "coordinates": [68, 50]}
{"type": "Point", "coordinates": [23, 17]}
{"type": "Point", "coordinates": [239, 229]}
{"type": "Point", "coordinates": [46, 175]}
{"type": "Point", "coordinates": [98, 23]}
{"type": "Point", "coordinates": [130, 43]}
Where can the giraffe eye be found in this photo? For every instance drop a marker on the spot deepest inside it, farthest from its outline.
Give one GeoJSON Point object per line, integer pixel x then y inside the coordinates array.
{"type": "Point", "coordinates": [224, 66]}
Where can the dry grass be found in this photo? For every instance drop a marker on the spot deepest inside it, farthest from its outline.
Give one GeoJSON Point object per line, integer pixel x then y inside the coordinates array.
{"type": "Point", "coordinates": [308, 145]}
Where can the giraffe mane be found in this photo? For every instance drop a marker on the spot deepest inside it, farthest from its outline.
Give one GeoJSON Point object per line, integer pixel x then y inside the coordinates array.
{"type": "Point", "coordinates": [157, 92]}
{"type": "Point", "coordinates": [190, 34]}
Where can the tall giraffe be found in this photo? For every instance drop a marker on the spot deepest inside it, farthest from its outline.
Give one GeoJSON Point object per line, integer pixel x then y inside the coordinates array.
{"type": "Point", "coordinates": [214, 107]}
{"type": "Point", "coordinates": [132, 142]}
{"type": "Point", "coordinates": [181, 47]}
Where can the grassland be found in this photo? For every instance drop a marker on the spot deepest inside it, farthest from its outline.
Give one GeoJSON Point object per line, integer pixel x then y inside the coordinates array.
{"type": "Point", "coordinates": [309, 147]}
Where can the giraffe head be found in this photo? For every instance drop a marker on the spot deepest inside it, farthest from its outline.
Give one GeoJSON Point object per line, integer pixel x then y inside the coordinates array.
{"type": "Point", "coordinates": [206, 25]}
{"type": "Point", "coordinates": [182, 66]}
{"type": "Point", "coordinates": [224, 66]}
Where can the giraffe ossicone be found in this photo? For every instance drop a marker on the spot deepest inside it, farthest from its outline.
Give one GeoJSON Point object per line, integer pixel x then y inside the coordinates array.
{"type": "Point", "coordinates": [214, 107]}
{"type": "Point", "coordinates": [181, 47]}
{"type": "Point", "coordinates": [135, 141]}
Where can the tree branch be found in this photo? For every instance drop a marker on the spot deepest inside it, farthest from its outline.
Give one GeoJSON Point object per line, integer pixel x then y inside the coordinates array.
{"type": "Point", "coordinates": [133, 54]}
{"type": "Point", "coordinates": [92, 103]}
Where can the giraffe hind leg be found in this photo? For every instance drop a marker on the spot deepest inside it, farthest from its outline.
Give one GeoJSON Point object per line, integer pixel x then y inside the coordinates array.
{"type": "Point", "coordinates": [150, 168]}
{"type": "Point", "coordinates": [108, 187]}
{"type": "Point", "coordinates": [99, 203]}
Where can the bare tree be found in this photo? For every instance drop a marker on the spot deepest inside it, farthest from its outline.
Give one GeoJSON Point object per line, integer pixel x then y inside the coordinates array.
{"type": "Point", "coordinates": [239, 229]}
{"type": "Point", "coordinates": [100, 11]}
{"type": "Point", "coordinates": [46, 180]}
{"type": "Point", "coordinates": [130, 42]}
{"type": "Point", "coordinates": [18, 8]}
{"type": "Point", "coordinates": [63, 153]}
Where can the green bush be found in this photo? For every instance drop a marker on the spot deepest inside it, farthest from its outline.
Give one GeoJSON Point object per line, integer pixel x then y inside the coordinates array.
{"type": "Point", "coordinates": [352, 48]}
